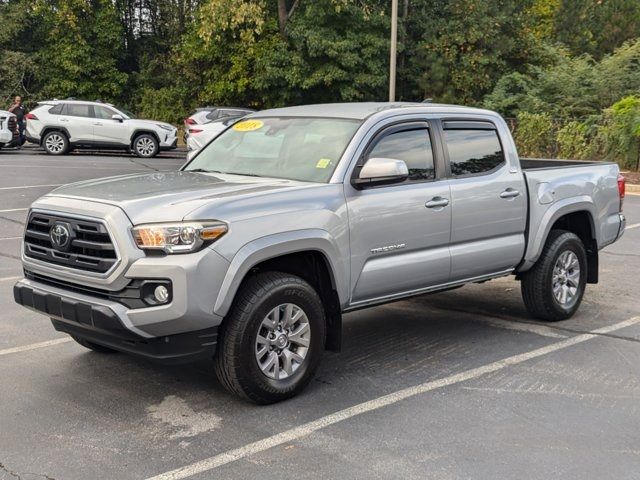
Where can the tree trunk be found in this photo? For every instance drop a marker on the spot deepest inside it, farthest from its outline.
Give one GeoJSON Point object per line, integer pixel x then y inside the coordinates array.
{"type": "Point", "coordinates": [282, 16]}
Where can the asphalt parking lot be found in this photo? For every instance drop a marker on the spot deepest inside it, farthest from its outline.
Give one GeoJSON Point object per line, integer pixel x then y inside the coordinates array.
{"type": "Point", "coordinates": [460, 384]}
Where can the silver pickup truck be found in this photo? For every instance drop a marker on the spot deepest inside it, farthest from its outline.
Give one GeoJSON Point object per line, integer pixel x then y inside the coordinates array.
{"type": "Point", "coordinates": [250, 254]}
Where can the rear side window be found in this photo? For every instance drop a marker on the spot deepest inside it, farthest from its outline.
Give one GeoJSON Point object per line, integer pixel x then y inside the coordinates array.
{"type": "Point", "coordinates": [473, 152]}
{"type": "Point", "coordinates": [411, 146]}
{"type": "Point", "coordinates": [78, 110]}
{"type": "Point", "coordinates": [56, 109]}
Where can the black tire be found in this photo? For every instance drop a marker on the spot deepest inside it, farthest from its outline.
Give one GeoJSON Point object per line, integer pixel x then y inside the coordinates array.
{"type": "Point", "coordinates": [145, 145]}
{"type": "Point", "coordinates": [55, 143]}
{"type": "Point", "coordinates": [235, 362]}
{"type": "Point", "coordinates": [93, 346]}
{"type": "Point", "coordinates": [537, 283]}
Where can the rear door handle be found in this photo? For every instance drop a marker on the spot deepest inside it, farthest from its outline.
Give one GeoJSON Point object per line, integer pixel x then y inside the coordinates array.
{"type": "Point", "coordinates": [436, 202]}
{"type": "Point", "coordinates": [98, 123]}
{"type": "Point", "coordinates": [64, 119]}
{"type": "Point", "coordinates": [509, 193]}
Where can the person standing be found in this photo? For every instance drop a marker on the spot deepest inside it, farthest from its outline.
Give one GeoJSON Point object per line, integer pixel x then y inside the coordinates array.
{"type": "Point", "coordinates": [19, 111]}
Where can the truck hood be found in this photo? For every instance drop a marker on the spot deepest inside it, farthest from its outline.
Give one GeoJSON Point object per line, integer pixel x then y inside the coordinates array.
{"type": "Point", "coordinates": [171, 196]}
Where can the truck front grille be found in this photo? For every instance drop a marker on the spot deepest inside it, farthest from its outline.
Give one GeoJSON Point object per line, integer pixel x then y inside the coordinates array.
{"type": "Point", "coordinates": [82, 244]}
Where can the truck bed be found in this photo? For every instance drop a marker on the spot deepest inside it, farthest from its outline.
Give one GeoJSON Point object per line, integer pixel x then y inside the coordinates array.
{"type": "Point", "coordinates": [590, 186]}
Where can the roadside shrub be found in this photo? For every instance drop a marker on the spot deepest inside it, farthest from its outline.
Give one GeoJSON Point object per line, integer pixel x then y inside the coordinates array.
{"type": "Point", "coordinates": [619, 135]}
{"type": "Point", "coordinates": [534, 135]}
{"type": "Point", "coordinates": [575, 140]}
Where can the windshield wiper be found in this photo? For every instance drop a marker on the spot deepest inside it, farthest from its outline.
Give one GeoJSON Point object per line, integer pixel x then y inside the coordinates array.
{"type": "Point", "coordinates": [203, 170]}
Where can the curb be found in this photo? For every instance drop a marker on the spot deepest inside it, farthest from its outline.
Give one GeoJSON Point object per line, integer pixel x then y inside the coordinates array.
{"type": "Point", "coordinates": [631, 188]}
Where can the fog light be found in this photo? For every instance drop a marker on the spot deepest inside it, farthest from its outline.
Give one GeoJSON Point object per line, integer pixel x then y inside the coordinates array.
{"type": "Point", "coordinates": [161, 293]}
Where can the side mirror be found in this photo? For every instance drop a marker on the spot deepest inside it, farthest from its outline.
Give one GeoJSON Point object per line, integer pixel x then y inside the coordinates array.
{"type": "Point", "coordinates": [381, 171]}
{"type": "Point", "coordinates": [117, 117]}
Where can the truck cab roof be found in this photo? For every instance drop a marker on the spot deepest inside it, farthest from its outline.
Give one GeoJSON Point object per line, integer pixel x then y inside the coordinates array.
{"type": "Point", "coordinates": [363, 110]}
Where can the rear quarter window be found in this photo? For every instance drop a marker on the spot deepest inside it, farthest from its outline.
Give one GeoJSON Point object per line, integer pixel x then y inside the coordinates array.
{"type": "Point", "coordinates": [56, 109]}
{"type": "Point", "coordinates": [473, 152]}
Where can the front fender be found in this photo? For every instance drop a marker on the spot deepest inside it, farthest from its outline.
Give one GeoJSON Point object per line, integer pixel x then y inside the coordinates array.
{"type": "Point", "coordinates": [275, 245]}
{"type": "Point", "coordinates": [544, 221]}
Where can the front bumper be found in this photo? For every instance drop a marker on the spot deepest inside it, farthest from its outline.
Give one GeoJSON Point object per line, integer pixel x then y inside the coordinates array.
{"type": "Point", "coordinates": [106, 323]}
{"type": "Point", "coordinates": [170, 141]}
{"type": "Point", "coordinates": [6, 136]}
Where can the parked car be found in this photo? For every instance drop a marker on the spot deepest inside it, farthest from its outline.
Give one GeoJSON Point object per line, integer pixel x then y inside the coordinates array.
{"type": "Point", "coordinates": [251, 253]}
{"type": "Point", "coordinates": [197, 136]}
{"type": "Point", "coordinates": [209, 114]}
{"type": "Point", "coordinates": [8, 129]}
{"type": "Point", "coordinates": [62, 125]}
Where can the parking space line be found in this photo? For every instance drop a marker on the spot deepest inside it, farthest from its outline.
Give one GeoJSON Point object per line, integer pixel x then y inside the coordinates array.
{"type": "Point", "coordinates": [30, 186]}
{"type": "Point", "coordinates": [9, 238]}
{"type": "Point", "coordinates": [14, 210]}
{"type": "Point", "coordinates": [635, 225]}
{"type": "Point", "coordinates": [377, 403]}
{"type": "Point", "coordinates": [34, 346]}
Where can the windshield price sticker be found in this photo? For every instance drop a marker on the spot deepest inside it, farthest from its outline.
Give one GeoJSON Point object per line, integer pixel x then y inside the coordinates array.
{"type": "Point", "coordinates": [323, 163]}
{"type": "Point", "coordinates": [248, 125]}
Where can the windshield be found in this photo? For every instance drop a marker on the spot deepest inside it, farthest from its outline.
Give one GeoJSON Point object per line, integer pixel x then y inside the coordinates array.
{"type": "Point", "coordinates": [127, 113]}
{"type": "Point", "coordinates": [297, 148]}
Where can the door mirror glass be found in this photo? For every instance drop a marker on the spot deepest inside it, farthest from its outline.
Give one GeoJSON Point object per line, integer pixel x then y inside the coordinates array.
{"type": "Point", "coordinates": [380, 171]}
{"type": "Point", "coordinates": [117, 117]}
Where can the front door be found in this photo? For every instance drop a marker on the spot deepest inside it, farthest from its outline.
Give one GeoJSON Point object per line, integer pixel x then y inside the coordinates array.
{"type": "Point", "coordinates": [400, 232]}
{"type": "Point", "coordinates": [489, 201]}
{"type": "Point", "coordinates": [106, 130]}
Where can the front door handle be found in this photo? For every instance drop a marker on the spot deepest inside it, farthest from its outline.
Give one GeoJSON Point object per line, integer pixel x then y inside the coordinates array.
{"type": "Point", "coordinates": [98, 124]}
{"type": "Point", "coordinates": [436, 202]}
{"type": "Point", "coordinates": [64, 119]}
{"type": "Point", "coordinates": [509, 193]}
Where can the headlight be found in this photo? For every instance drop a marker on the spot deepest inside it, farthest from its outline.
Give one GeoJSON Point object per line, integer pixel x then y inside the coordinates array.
{"type": "Point", "coordinates": [165, 127]}
{"type": "Point", "coordinates": [178, 237]}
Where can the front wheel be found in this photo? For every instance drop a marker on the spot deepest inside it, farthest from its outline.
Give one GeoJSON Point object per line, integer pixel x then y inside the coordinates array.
{"type": "Point", "coordinates": [552, 290]}
{"type": "Point", "coordinates": [272, 341]}
{"type": "Point", "coordinates": [145, 146]}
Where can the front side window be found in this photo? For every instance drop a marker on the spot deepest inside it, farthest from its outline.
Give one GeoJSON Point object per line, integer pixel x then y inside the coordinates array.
{"type": "Point", "coordinates": [78, 110]}
{"type": "Point", "coordinates": [103, 113]}
{"type": "Point", "coordinates": [297, 148]}
{"type": "Point", "coordinates": [473, 152]}
{"type": "Point", "coordinates": [411, 146]}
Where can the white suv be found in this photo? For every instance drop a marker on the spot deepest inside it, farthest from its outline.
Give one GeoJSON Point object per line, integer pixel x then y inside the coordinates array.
{"type": "Point", "coordinates": [8, 129]}
{"type": "Point", "coordinates": [62, 125]}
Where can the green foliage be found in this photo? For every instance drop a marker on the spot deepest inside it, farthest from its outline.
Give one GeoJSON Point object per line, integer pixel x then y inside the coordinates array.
{"type": "Point", "coordinates": [576, 140]}
{"type": "Point", "coordinates": [534, 135]}
{"type": "Point", "coordinates": [619, 135]}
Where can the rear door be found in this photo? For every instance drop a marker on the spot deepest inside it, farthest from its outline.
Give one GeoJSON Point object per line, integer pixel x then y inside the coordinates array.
{"type": "Point", "coordinates": [106, 130]}
{"type": "Point", "coordinates": [488, 201]}
{"type": "Point", "coordinates": [399, 233]}
{"type": "Point", "coordinates": [76, 119]}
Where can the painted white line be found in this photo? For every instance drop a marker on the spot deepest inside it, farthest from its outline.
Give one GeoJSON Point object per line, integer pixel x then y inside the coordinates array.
{"type": "Point", "coordinates": [375, 404]}
{"type": "Point", "coordinates": [93, 167]}
{"type": "Point", "coordinates": [521, 327]}
{"type": "Point", "coordinates": [30, 186]}
{"type": "Point", "coordinates": [34, 346]}
{"type": "Point", "coordinates": [14, 210]}
{"type": "Point", "coordinates": [6, 279]}
{"type": "Point", "coordinates": [9, 238]}
{"type": "Point", "coordinates": [635, 225]}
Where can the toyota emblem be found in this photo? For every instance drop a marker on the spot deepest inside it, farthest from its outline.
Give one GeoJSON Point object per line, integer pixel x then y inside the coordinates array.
{"type": "Point", "coordinates": [60, 236]}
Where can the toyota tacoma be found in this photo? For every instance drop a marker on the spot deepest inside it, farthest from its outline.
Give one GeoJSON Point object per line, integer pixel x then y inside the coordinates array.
{"type": "Point", "coordinates": [250, 254]}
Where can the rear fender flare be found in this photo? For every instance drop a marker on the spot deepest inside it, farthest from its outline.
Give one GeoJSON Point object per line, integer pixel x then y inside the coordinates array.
{"type": "Point", "coordinates": [561, 208]}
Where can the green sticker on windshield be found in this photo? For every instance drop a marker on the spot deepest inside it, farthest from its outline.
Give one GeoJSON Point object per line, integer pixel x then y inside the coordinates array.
{"type": "Point", "coordinates": [323, 163]}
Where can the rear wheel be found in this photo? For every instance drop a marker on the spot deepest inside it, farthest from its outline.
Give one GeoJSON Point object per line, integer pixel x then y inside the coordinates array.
{"type": "Point", "coordinates": [145, 146]}
{"type": "Point", "coordinates": [93, 346]}
{"type": "Point", "coordinates": [55, 143]}
{"type": "Point", "coordinates": [553, 289]}
{"type": "Point", "coordinates": [272, 341]}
